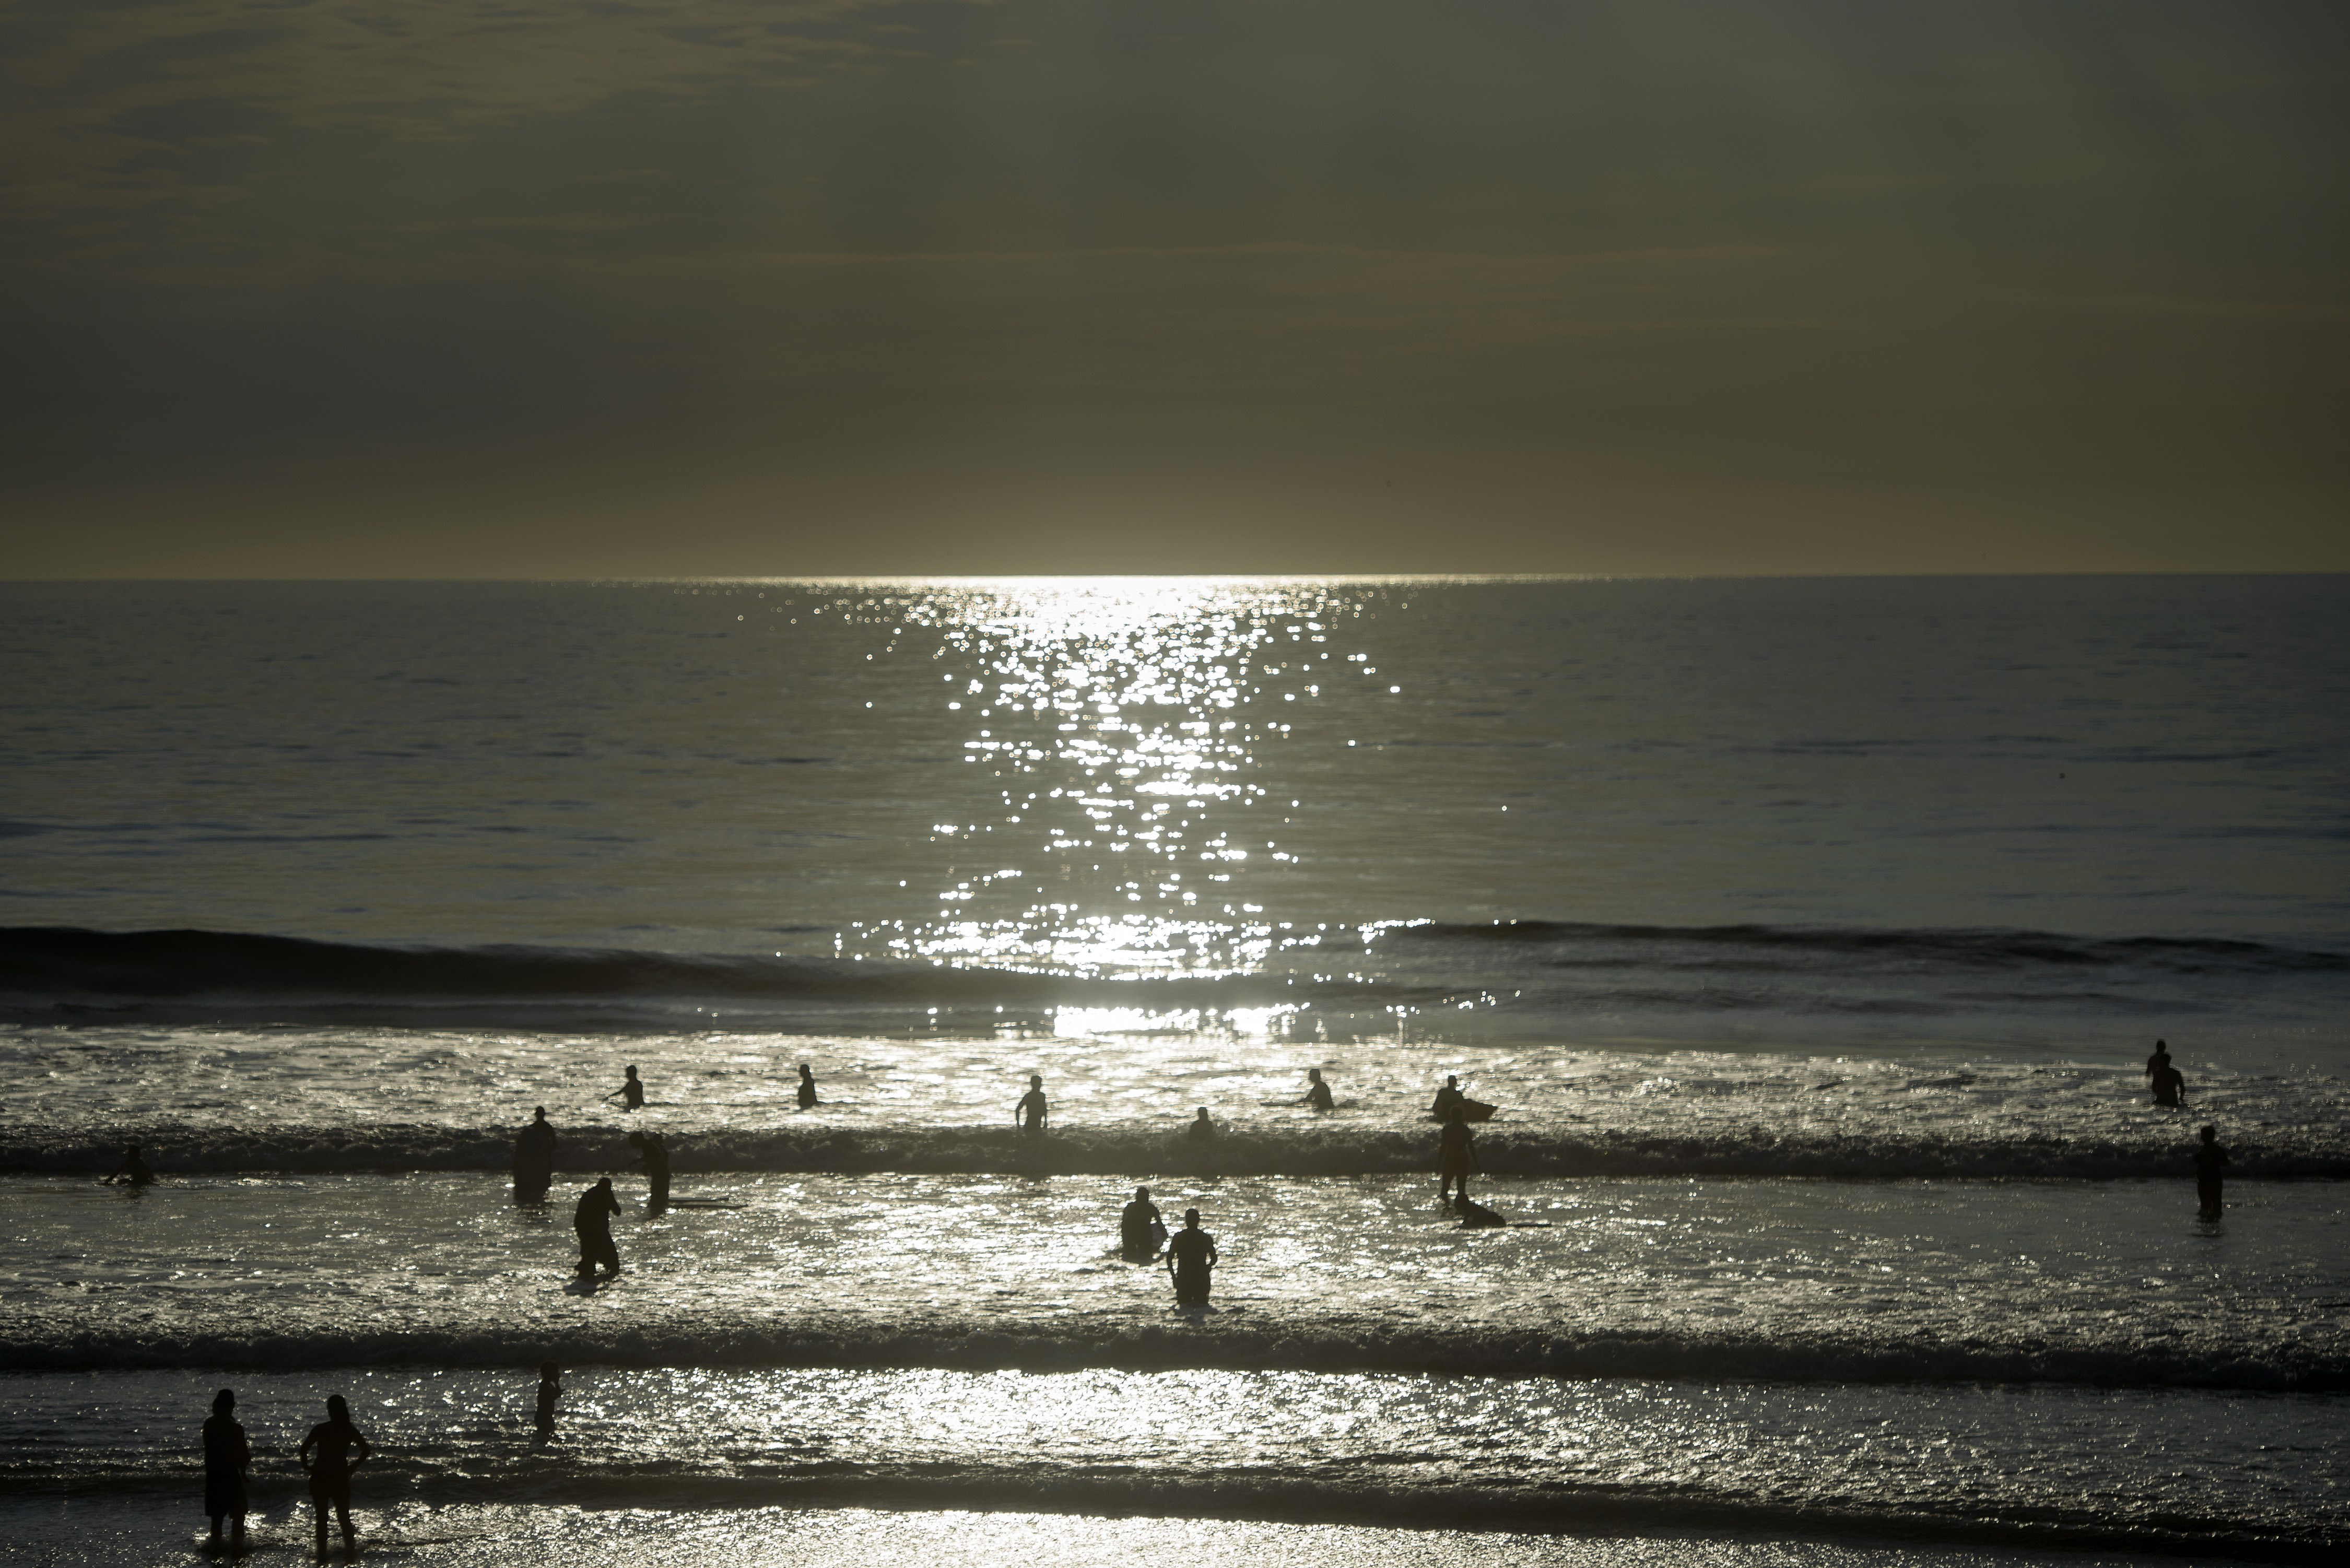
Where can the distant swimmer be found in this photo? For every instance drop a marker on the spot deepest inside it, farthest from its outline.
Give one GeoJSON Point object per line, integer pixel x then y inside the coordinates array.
{"type": "Point", "coordinates": [534, 1165]}
{"type": "Point", "coordinates": [1201, 1129]}
{"type": "Point", "coordinates": [227, 1456]}
{"type": "Point", "coordinates": [330, 1472]}
{"type": "Point", "coordinates": [1318, 1093]}
{"type": "Point", "coordinates": [2210, 1159]}
{"type": "Point", "coordinates": [1448, 1099]}
{"type": "Point", "coordinates": [2169, 1085]}
{"type": "Point", "coordinates": [630, 1094]}
{"type": "Point", "coordinates": [550, 1389]}
{"type": "Point", "coordinates": [1141, 1229]}
{"type": "Point", "coordinates": [593, 1219]}
{"type": "Point", "coordinates": [652, 1153]}
{"type": "Point", "coordinates": [808, 1088]}
{"type": "Point", "coordinates": [1456, 1156]}
{"type": "Point", "coordinates": [1475, 1216]}
{"type": "Point", "coordinates": [133, 1171]}
{"type": "Point", "coordinates": [1192, 1259]}
{"type": "Point", "coordinates": [1031, 1110]}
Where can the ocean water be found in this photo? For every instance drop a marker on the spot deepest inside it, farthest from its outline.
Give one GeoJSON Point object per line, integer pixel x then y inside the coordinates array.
{"type": "Point", "coordinates": [1809, 936]}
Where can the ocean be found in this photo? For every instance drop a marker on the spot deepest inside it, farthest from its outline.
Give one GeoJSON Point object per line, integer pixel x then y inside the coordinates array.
{"type": "Point", "coordinates": [1809, 938]}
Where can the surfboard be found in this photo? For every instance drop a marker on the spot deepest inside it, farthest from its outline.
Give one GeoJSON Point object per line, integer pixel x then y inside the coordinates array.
{"type": "Point", "coordinates": [707, 1203]}
{"type": "Point", "coordinates": [1471, 1111]}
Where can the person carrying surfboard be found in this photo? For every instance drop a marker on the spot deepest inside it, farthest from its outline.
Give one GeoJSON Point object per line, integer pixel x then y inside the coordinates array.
{"type": "Point", "coordinates": [1191, 1260]}
{"type": "Point", "coordinates": [1318, 1093]}
{"type": "Point", "coordinates": [1456, 1156]}
{"type": "Point", "coordinates": [1448, 1099]}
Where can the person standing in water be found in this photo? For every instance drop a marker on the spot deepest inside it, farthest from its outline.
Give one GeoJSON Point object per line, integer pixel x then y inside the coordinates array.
{"type": "Point", "coordinates": [808, 1088]}
{"type": "Point", "coordinates": [593, 1219]}
{"type": "Point", "coordinates": [631, 1092]}
{"type": "Point", "coordinates": [652, 1153]}
{"type": "Point", "coordinates": [330, 1473]}
{"type": "Point", "coordinates": [1031, 1111]}
{"type": "Point", "coordinates": [2210, 1159]}
{"type": "Point", "coordinates": [1448, 1099]}
{"type": "Point", "coordinates": [1140, 1229]}
{"type": "Point", "coordinates": [1201, 1129]}
{"type": "Point", "coordinates": [1191, 1262]}
{"type": "Point", "coordinates": [2157, 1062]}
{"type": "Point", "coordinates": [1456, 1156]}
{"type": "Point", "coordinates": [2169, 1085]}
{"type": "Point", "coordinates": [550, 1389]}
{"type": "Point", "coordinates": [1318, 1093]}
{"type": "Point", "coordinates": [227, 1456]}
{"type": "Point", "coordinates": [133, 1171]}
{"type": "Point", "coordinates": [534, 1166]}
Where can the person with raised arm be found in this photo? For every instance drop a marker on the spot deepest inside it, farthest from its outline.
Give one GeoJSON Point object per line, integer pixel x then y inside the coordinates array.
{"type": "Point", "coordinates": [631, 1092]}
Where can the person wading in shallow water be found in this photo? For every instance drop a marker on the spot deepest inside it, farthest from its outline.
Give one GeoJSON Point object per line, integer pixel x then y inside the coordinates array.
{"type": "Point", "coordinates": [227, 1456]}
{"type": "Point", "coordinates": [1201, 1129]}
{"type": "Point", "coordinates": [1139, 1229]}
{"type": "Point", "coordinates": [1031, 1111]}
{"type": "Point", "coordinates": [2210, 1159]}
{"type": "Point", "coordinates": [1456, 1156]}
{"type": "Point", "coordinates": [652, 1153]}
{"type": "Point", "coordinates": [808, 1088]}
{"type": "Point", "coordinates": [330, 1472]}
{"type": "Point", "coordinates": [593, 1219]}
{"type": "Point", "coordinates": [534, 1165]}
{"type": "Point", "coordinates": [1192, 1259]}
{"type": "Point", "coordinates": [1318, 1093]}
{"type": "Point", "coordinates": [550, 1389]}
{"type": "Point", "coordinates": [133, 1171]}
{"type": "Point", "coordinates": [631, 1093]}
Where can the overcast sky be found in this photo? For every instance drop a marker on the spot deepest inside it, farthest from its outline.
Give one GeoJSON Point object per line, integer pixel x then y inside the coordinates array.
{"type": "Point", "coordinates": [587, 287]}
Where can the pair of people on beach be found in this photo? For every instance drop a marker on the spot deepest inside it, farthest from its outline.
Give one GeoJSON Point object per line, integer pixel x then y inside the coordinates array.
{"type": "Point", "coordinates": [329, 1454]}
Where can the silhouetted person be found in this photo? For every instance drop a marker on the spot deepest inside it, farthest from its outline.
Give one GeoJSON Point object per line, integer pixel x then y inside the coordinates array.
{"type": "Point", "coordinates": [534, 1166]}
{"type": "Point", "coordinates": [2169, 1085]}
{"type": "Point", "coordinates": [330, 1472]}
{"type": "Point", "coordinates": [807, 1088]}
{"type": "Point", "coordinates": [1456, 1156]}
{"type": "Point", "coordinates": [550, 1389]}
{"type": "Point", "coordinates": [1031, 1110]}
{"type": "Point", "coordinates": [1448, 1099]}
{"type": "Point", "coordinates": [1475, 1216]}
{"type": "Point", "coordinates": [2157, 1062]}
{"type": "Point", "coordinates": [630, 1094]}
{"type": "Point", "coordinates": [227, 1456]}
{"type": "Point", "coordinates": [1192, 1259]}
{"type": "Point", "coordinates": [652, 1153]}
{"type": "Point", "coordinates": [1318, 1093]}
{"type": "Point", "coordinates": [2210, 1159]}
{"type": "Point", "coordinates": [1201, 1129]}
{"type": "Point", "coordinates": [1140, 1229]}
{"type": "Point", "coordinates": [593, 1219]}
{"type": "Point", "coordinates": [133, 1171]}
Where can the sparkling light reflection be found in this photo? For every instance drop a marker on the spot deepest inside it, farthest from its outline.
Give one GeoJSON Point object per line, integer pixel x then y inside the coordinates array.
{"type": "Point", "coordinates": [1123, 723]}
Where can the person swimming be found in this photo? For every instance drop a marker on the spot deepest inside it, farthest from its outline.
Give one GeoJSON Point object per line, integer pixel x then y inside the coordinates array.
{"type": "Point", "coordinates": [808, 1088]}
{"type": "Point", "coordinates": [593, 1220]}
{"type": "Point", "coordinates": [2210, 1159]}
{"type": "Point", "coordinates": [631, 1093]}
{"type": "Point", "coordinates": [330, 1472]}
{"type": "Point", "coordinates": [652, 1153]}
{"type": "Point", "coordinates": [1201, 1129]}
{"type": "Point", "coordinates": [1141, 1229]}
{"type": "Point", "coordinates": [1031, 1111]}
{"type": "Point", "coordinates": [1191, 1262]}
{"type": "Point", "coordinates": [133, 1171]}
{"type": "Point", "coordinates": [1318, 1093]}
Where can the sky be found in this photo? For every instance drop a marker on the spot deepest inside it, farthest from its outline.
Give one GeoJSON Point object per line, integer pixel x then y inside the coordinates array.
{"type": "Point", "coordinates": [564, 288]}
